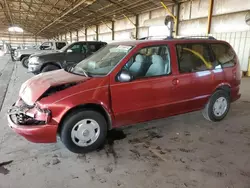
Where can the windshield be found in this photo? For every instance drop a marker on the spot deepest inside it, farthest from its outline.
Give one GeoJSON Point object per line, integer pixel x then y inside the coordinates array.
{"type": "Point", "coordinates": [103, 61]}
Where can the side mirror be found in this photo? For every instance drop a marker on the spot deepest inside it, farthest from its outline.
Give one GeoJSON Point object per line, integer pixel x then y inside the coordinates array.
{"type": "Point", "coordinates": [124, 76]}
{"type": "Point", "coordinates": [69, 50]}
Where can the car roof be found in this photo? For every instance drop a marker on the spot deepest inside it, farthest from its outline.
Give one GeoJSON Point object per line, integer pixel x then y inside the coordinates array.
{"type": "Point", "coordinates": [186, 40]}
{"type": "Point", "coordinates": [90, 41]}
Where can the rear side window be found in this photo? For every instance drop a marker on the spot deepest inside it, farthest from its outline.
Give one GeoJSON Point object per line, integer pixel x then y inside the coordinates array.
{"type": "Point", "coordinates": [93, 47]}
{"type": "Point", "coordinates": [60, 45]}
{"type": "Point", "coordinates": [224, 55]}
{"type": "Point", "coordinates": [193, 57]}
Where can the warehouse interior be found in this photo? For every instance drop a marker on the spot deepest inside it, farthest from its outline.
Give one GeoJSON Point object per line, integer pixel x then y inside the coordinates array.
{"type": "Point", "coordinates": [106, 20]}
{"type": "Point", "coordinates": [176, 152]}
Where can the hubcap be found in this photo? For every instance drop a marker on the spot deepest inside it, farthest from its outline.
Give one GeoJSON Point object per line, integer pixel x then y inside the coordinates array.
{"type": "Point", "coordinates": [220, 106]}
{"type": "Point", "coordinates": [85, 132]}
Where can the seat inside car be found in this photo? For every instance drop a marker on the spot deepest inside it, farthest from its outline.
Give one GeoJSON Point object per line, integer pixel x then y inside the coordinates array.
{"type": "Point", "coordinates": [157, 67]}
{"type": "Point", "coordinates": [136, 67]}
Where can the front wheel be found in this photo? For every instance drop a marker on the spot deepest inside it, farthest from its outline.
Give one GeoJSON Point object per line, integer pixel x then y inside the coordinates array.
{"type": "Point", "coordinates": [84, 131]}
{"type": "Point", "coordinates": [25, 62]}
{"type": "Point", "coordinates": [217, 107]}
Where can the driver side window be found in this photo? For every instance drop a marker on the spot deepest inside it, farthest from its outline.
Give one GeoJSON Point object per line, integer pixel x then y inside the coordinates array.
{"type": "Point", "coordinates": [76, 48]}
{"type": "Point", "coordinates": [149, 62]}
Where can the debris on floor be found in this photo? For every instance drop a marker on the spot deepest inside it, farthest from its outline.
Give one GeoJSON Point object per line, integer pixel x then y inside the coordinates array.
{"type": "Point", "coordinates": [55, 161]}
{"type": "Point", "coordinates": [4, 170]}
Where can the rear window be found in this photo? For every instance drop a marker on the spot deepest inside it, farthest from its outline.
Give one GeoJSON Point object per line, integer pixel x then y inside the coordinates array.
{"type": "Point", "coordinates": [224, 55]}
{"type": "Point", "coordinates": [60, 45]}
{"type": "Point", "coordinates": [194, 57]}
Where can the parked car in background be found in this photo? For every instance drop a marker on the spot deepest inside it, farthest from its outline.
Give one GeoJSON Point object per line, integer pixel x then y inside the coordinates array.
{"type": "Point", "coordinates": [66, 57]}
{"type": "Point", "coordinates": [23, 54]}
{"type": "Point", "coordinates": [126, 83]}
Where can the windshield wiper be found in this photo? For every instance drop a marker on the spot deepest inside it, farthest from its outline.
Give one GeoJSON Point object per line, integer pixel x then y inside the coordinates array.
{"type": "Point", "coordinates": [84, 72]}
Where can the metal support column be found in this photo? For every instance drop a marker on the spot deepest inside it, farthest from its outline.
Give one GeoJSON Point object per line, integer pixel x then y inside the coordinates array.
{"type": "Point", "coordinates": [70, 34]}
{"type": "Point", "coordinates": [113, 30]}
{"type": "Point", "coordinates": [210, 14]}
{"type": "Point", "coordinates": [9, 38]}
{"type": "Point", "coordinates": [86, 34]}
{"type": "Point", "coordinates": [177, 19]}
{"type": "Point", "coordinates": [136, 26]}
{"type": "Point", "coordinates": [65, 37]}
{"type": "Point", "coordinates": [97, 32]}
{"type": "Point", "coordinates": [77, 36]}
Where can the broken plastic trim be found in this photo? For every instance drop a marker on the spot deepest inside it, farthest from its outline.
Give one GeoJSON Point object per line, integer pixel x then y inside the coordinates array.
{"type": "Point", "coordinates": [29, 116]}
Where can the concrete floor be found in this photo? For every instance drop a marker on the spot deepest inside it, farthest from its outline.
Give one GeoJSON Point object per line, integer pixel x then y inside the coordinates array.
{"type": "Point", "coordinates": [177, 152]}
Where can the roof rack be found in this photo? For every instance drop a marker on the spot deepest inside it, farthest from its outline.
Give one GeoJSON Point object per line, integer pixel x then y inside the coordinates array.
{"type": "Point", "coordinates": [198, 37]}
{"type": "Point", "coordinates": [183, 37]}
{"type": "Point", "coordinates": [153, 38]}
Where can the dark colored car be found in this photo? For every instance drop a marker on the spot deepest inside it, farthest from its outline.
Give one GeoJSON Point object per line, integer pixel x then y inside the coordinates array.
{"type": "Point", "coordinates": [66, 57]}
{"type": "Point", "coordinates": [126, 83]}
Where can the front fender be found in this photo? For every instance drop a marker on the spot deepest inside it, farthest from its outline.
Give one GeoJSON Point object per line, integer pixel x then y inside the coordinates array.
{"type": "Point", "coordinates": [84, 93]}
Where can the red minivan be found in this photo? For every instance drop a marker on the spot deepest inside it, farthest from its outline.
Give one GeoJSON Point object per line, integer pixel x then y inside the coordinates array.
{"type": "Point", "coordinates": [126, 83]}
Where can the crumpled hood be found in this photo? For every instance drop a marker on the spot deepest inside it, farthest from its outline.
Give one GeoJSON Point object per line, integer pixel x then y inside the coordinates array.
{"type": "Point", "coordinates": [34, 88]}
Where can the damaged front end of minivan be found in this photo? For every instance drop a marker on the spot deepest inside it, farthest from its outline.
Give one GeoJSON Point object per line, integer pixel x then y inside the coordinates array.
{"type": "Point", "coordinates": [30, 117]}
{"type": "Point", "coordinates": [23, 114]}
{"type": "Point", "coordinates": [32, 122]}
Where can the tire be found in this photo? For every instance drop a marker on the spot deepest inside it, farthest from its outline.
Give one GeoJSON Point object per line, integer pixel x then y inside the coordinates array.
{"type": "Point", "coordinates": [210, 112]}
{"type": "Point", "coordinates": [25, 62]}
{"type": "Point", "coordinates": [78, 123]}
{"type": "Point", "coordinates": [48, 68]}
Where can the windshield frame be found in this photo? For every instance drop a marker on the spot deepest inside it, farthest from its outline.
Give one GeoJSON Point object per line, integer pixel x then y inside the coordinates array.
{"type": "Point", "coordinates": [107, 74]}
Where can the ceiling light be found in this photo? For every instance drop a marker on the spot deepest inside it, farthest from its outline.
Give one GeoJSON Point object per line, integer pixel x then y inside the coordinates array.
{"type": "Point", "coordinates": [15, 29]}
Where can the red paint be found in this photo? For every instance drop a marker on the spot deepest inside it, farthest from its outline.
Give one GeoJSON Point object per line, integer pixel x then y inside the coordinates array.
{"type": "Point", "coordinates": [126, 103]}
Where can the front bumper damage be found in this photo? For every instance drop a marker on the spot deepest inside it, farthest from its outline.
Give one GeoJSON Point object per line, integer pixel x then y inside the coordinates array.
{"type": "Point", "coordinates": [31, 122]}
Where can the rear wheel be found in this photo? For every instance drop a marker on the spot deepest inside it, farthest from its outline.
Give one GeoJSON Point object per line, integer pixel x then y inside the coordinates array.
{"type": "Point", "coordinates": [84, 131]}
{"type": "Point", "coordinates": [25, 61]}
{"type": "Point", "coordinates": [217, 107]}
{"type": "Point", "coordinates": [48, 68]}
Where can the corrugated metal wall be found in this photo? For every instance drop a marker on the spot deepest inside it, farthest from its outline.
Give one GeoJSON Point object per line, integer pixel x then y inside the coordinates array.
{"type": "Point", "coordinates": [21, 39]}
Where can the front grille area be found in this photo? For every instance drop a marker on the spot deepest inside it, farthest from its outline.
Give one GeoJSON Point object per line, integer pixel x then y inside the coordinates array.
{"type": "Point", "coordinates": [18, 114]}
{"type": "Point", "coordinates": [22, 119]}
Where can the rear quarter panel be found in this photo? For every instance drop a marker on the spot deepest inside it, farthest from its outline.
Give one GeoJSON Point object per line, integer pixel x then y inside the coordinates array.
{"type": "Point", "coordinates": [231, 76]}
